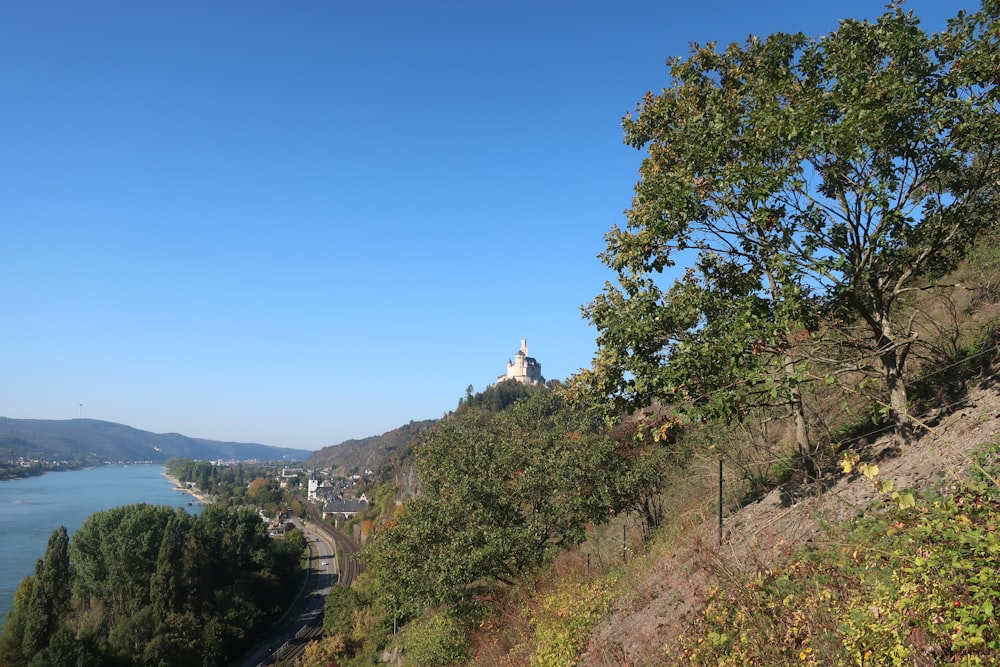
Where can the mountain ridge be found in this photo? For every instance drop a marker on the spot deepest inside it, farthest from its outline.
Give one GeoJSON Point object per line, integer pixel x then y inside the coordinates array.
{"type": "Point", "coordinates": [94, 440]}
{"type": "Point", "coordinates": [372, 452]}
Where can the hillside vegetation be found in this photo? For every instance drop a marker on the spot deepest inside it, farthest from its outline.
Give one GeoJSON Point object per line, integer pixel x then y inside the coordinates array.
{"type": "Point", "coordinates": [833, 201]}
{"type": "Point", "coordinates": [378, 452]}
{"type": "Point", "coordinates": [355, 456]}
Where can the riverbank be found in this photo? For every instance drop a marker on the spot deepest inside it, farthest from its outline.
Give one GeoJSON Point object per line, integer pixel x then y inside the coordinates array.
{"type": "Point", "coordinates": [185, 488]}
{"type": "Point", "coordinates": [9, 471]}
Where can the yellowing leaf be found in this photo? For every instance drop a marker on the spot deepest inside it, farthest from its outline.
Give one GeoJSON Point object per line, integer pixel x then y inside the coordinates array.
{"type": "Point", "coordinates": [848, 462]}
{"type": "Point", "coordinates": [869, 470]}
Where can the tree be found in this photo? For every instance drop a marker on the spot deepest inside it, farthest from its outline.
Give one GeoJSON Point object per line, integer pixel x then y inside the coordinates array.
{"type": "Point", "coordinates": [841, 172]}
{"type": "Point", "coordinates": [67, 650]}
{"type": "Point", "coordinates": [170, 585]}
{"type": "Point", "coordinates": [12, 636]}
{"type": "Point", "coordinates": [338, 611]}
{"type": "Point", "coordinates": [50, 593]}
{"type": "Point", "coordinates": [322, 652]}
{"type": "Point", "coordinates": [262, 492]}
{"type": "Point", "coordinates": [115, 555]}
{"type": "Point", "coordinates": [502, 395]}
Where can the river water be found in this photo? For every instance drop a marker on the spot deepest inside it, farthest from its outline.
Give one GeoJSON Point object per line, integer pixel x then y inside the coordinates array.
{"type": "Point", "coordinates": [30, 509]}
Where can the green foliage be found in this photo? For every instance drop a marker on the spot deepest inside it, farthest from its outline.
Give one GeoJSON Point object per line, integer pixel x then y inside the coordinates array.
{"type": "Point", "coordinates": [265, 493]}
{"type": "Point", "coordinates": [115, 554]}
{"type": "Point", "coordinates": [434, 640]}
{"type": "Point", "coordinates": [501, 494]}
{"type": "Point", "coordinates": [915, 584]}
{"type": "Point", "coordinates": [804, 179]}
{"type": "Point", "coordinates": [565, 619]}
{"type": "Point", "coordinates": [12, 636]}
{"type": "Point", "coordinates": [251, 484]}
{"type": "Point", "coordinates": [67, 650]}
{"type": "Point", "coordinates": [50, 589]}
{"type": "Point", "coordinates": [499, 396]}
{"type": "Point", "coordinates": [40, 606]}
{"type": "Point", "coordinates": [151, 585]}
{"type": "Point", "coordinates": [338, 611]}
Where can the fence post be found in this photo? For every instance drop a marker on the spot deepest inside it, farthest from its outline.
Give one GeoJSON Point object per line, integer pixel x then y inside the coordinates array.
{"type": "Point", "coordinates": [720, 502]}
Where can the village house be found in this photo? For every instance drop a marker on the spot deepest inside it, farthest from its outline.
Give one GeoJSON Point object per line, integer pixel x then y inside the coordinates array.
{"type": "Point", "coordinates": [344, 509]}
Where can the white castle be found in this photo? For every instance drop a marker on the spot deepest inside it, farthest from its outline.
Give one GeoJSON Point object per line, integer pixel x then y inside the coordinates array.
{"type": "Point", "coordinates": [523, 368]}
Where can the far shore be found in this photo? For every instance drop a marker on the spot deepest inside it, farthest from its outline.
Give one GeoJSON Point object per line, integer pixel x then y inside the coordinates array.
{"type": "Point", "coordinates": [178, 486]}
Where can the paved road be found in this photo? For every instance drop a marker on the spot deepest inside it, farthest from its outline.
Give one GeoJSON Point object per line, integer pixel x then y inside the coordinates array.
{"type": "Point", "coordinates": [304, 622]}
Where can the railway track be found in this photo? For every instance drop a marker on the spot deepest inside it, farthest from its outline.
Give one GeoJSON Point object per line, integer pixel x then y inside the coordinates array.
{"type": "Point", "coordinates": [293, 648]}
{"type": "Point", "coordinates": [309, 625]}
{"type": "Point", "coordinates": [347, 549]}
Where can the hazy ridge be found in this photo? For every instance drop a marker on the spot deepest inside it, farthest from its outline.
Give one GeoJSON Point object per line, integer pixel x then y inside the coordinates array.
{"type": "Point", "coordinates": [93, 440]}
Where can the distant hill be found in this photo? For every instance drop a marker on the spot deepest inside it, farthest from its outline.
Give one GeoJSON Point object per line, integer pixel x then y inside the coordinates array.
{"type": "Point", "coordinates": [357, 455]}
{"type": "Point", "coordinates": [94, 440]}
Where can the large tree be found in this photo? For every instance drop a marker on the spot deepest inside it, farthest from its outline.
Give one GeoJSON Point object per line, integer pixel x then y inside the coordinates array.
{"type": "Point", "coordinates": [50, 594]}
{"type": "Point", "coordinates": [795, 174]}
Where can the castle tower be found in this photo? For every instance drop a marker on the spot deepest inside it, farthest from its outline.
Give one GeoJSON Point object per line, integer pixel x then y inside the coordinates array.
{"type": "Point", "coordinates": [523, 368]}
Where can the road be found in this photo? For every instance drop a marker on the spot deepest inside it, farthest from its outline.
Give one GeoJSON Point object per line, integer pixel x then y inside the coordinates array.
{"type": "Point", "coordinates": [350, 566]}
{"type": "Point", "coordinates": [304, 622]}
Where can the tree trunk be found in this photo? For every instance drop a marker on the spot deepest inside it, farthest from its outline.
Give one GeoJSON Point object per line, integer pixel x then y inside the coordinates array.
{"type": "Point", "coordinates": [889, 358]}
{"type": "Point", "coordinates": [792, 380]}
{"type": "Point", "coordinates": [798, 415]}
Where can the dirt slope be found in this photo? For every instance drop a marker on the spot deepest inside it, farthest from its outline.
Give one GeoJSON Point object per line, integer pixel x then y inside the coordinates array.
{"type": "Point", "coordinates": [644, 626]}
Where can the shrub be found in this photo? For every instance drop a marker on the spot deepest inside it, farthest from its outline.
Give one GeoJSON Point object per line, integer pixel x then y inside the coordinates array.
{"type": "Point", "coordinates": [435, 639]}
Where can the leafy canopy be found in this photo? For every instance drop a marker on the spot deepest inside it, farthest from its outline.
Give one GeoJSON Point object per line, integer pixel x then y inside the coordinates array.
{"type": "Point", "coordinates": [501, 494]}
{"type": "Point", "coordinates": [144, 584]}
{"type": "Point", "coordinates": [798, 177]}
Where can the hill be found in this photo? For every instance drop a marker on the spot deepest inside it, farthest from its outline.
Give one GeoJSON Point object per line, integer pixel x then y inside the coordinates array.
{"type": "Point", "coordinates": [93, 441]}
{"type": "Point", "coordinates": [369, 453]}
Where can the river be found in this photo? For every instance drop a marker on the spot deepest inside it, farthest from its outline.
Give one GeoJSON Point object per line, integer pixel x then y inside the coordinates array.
{"type": "Point", "coordinates": [30, 509]}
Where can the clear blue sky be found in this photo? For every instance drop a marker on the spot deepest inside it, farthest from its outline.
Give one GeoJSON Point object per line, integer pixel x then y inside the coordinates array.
{"type": "Point", "coordinates": [299, 222]}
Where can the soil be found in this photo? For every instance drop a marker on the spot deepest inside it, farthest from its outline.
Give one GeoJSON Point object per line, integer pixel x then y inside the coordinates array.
{"type": "Point", "coordinates": [644, 627]}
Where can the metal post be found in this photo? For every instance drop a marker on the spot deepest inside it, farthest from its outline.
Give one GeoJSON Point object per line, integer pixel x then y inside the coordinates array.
{"type": "Point", "coordinates": [720, 503]}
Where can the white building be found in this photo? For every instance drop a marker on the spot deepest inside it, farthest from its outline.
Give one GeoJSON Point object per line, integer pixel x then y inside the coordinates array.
{"type": "Point", "coordinates": [523, 368]}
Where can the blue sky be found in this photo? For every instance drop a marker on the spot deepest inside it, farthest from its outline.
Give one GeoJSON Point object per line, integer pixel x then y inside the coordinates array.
{"type": "Point", "coordinates": [301, 222]}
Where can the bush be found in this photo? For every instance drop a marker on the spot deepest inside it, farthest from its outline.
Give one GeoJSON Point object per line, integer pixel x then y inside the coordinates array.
{"type": "Point", "coordinates": [435, 639]}
{"type": "Point", "coordinates": [566, 619]}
